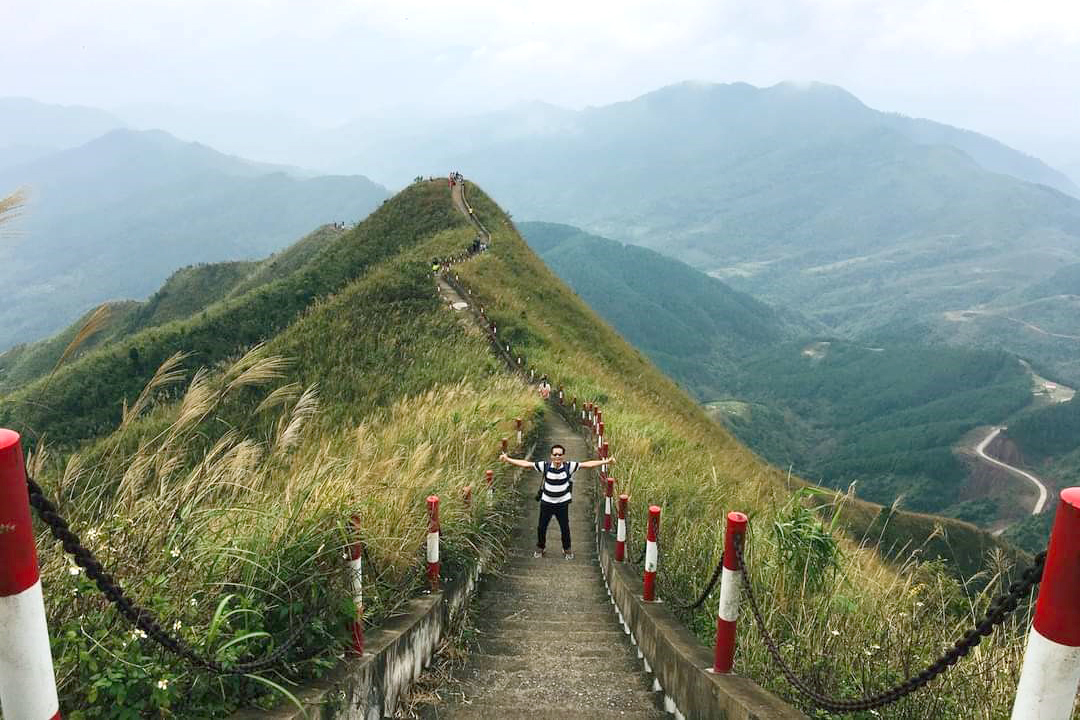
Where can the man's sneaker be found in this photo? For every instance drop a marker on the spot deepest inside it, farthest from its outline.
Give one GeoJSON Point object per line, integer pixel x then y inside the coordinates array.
{"type": "Point", "coordinates": [568, 556]}
{"type": "Point", "coordinates": [538, 553]}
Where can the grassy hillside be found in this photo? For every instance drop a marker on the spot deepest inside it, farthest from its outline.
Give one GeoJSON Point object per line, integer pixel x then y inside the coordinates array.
{"type": "Point", "coordinates": [361, 400]}
{"type": "Point", "coordinates": [368, 394]}
{"type": "Point", "coordinates": [819, 585]}
{"type": "Point", "coordinates": [187, 291]}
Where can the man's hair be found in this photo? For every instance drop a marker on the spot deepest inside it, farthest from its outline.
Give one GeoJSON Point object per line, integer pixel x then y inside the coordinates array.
{"type": "Point", "coordinates": [558, 446]}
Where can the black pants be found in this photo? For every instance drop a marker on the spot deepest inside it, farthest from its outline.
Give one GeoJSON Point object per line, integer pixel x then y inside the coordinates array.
{"type": "Point", "coordinates": [559, 511]}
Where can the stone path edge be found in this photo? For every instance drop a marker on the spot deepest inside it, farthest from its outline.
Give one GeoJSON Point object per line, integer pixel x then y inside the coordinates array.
{"type": "Point", "coordinates": [395, 653]}
{"type": "Point", "coordinates": [677, 659]}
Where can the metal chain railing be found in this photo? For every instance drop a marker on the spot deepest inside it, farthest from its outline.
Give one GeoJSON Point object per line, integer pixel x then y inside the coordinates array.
{"type": "Point", "coordinates": [995, 614]}
{"type": "Point", "coordinates": [709, 586]}
{"type": "Point", "coordinates": [141, 617]}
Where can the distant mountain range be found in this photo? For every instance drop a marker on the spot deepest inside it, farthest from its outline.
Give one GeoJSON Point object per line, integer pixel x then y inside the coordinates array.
{"type": "Point", "coordinates": [112, 218]}
{"type": "Point", "coordinates": [803, 196]}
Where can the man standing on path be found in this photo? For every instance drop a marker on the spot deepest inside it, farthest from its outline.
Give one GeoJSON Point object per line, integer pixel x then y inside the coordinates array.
{"type": "Point", "coordinates": [554, 496]}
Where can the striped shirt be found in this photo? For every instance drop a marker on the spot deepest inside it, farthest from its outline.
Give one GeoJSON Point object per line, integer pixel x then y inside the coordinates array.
{"type": "Point", "coordinates": [557, 481]}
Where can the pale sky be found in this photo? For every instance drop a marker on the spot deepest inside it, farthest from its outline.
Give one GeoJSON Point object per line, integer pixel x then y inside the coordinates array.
{"type": "Point", "coordinates": [1006, 68]}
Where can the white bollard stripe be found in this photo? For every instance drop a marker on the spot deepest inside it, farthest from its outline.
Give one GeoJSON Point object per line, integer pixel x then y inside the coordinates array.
{"type": "Point", "coordinates": [607, 505]}
{"type": "Point", "coordinates": [650, 556]}
{"type": "Point", "coordinates": [620, 533]}
{"type": "Point", "coordinates": [729, 595]}
{"type": "Point", "coordinates": [357, 567]}
{"type": "Point", "coordinates": [1049, 680]}
{"type": "Point", "coordinates": [27, 684]}
{"type": "Point", "coordinates": [433, 547]}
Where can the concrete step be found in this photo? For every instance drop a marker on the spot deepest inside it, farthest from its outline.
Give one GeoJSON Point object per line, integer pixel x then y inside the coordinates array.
{"type": "Point", "coordinates": [526, 618]}
{"type": "Point", "coordinates": [585, 676]}
{"type": "Point", "coordinates": [626, 664]}
{"type": "Point", "coordinates": [510, 601]}
{"type": "Point", "coordinates": [496, 712]}
{"type": "Point", "coordinates": [550, 693]}
{"type": "Point", "coordinates": [560, 649]}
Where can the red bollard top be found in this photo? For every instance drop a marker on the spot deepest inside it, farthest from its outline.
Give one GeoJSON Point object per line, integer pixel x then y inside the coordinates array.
{"type": "Point", "coordinates": [433, 513]}
{"type": "Point", "coordinates": [1057, 611]}
{"type": "Point", "coordinates": [605, 450]}
{"type": "Point", "coordinates": [489, 475]}
{"type": "Point", "coordinates": [599, 415]}
{"type": "Point", "coordinates": [18, 555]}
{"type": "Point", "coordinates": [654, 522]}
{"type": "Point", "coordinates": [518, 422]}
{"type": "Point", "coordinates": [736, 526]}
{"type": "Point", "coordinates": [610, 489]}
{"type": "Point", "coordinates": [623, 499]}
{"type": "Point", "coordinates": [356, 548]}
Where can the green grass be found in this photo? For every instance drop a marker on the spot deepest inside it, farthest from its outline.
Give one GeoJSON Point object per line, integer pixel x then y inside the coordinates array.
{"type": "Point", "coordinates": [367, 395]}
{"type": "Point", "coordinates": [670, 454]}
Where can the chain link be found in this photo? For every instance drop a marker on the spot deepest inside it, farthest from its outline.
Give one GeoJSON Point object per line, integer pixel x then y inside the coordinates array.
{"type": "Point", "coordinates": [141, 617]}
{"type": "Point", "coordinates": [995, 614]}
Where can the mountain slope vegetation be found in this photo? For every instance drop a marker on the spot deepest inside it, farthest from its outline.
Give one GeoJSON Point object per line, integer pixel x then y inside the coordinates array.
{"type": "Point", "coordinates": [111, 219]}
{"type": "Point", "coordinates": [806, 198]}
{"type": "Point", "coordinates": [882, 418]}
{"type": "Point", "coordinates": [187, 291]}
{"type": "Point", "coordinates": [349, 388]}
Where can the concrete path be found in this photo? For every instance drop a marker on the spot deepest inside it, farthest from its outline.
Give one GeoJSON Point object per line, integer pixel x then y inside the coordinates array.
{"type": "Point", "coordinates": [548, 644]}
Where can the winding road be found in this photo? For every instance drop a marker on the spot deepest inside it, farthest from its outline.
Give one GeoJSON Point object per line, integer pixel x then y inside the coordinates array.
{"type": "Point", "coordinates": [980, 450]}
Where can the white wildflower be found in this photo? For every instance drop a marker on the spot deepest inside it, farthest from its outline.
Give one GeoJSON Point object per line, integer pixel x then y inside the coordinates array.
{"type": "Point", "coordinates": [163, 684]}
{"type": "Point", "coordinates": [175, 552]}
{"type": "Point", "coordinates": [74, 570]}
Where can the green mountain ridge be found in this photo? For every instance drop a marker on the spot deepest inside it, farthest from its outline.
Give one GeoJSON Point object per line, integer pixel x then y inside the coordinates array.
{"type": "Point", "coordinates": [111, 218]}
{"type": "Point", "coordinates": [361, 320]}
{"type": "Point", "coordinates": [188, 290]}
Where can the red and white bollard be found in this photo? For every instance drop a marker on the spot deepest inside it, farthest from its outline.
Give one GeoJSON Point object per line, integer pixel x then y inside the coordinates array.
{"type": "Point", "coordinates": [620, 532]}
{"type": "Point", "coordinates": [356, 566]}
{"type": "Point", "coordinates": [560, 395]}
{"type": "Point", "coordinates": [584, 413]}
{"type": "Point", "coordinates": [1051, 674]}
{"type": "Point", "coordinates": [489, 478]}
{"type": "Point", "coordinates": [600, 435]}
{"type": "Point", "coordinates": [730, 592]}
{"type": "Point", "coordinates": [519, 434]}
{"type": "Point", "coordinates": [609, 490]}
{"type": "Point", "coordinates": [651, 554]}
{"type": "Point", "coordinates": [433, 542]}
{"type": "Point", "coordinates": [27, 682]}
{"type": "Point", "coordinates": [605, 453]}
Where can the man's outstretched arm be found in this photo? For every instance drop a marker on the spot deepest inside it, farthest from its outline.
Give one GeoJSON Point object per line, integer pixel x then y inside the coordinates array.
{"type": "Point", "coordinates": [514, 461]}
{"type": "Point", "coordinates": [597, 463]}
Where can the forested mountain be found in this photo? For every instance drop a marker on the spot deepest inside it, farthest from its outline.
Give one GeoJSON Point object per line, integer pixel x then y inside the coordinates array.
{"type": "Point", "coordinates": [803, 196]}
{"type": "Point", "coordinates": [696, 328]}
{"type": "Point", "coordinates": [884, 417]}
{"type": "Point", "coordinates": [112, 218]}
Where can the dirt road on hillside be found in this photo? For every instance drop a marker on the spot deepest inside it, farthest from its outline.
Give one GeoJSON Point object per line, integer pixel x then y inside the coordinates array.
{"type": "Point", "coordinates": [980, 450]}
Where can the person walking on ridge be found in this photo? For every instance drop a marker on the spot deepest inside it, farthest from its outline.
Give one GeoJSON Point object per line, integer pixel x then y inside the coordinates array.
{"type": "Point", "coordinates": [554, 495]}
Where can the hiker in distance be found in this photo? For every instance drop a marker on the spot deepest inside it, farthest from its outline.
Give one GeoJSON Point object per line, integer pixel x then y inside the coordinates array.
{"type": "Point", "coordinates": [554, 495]}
